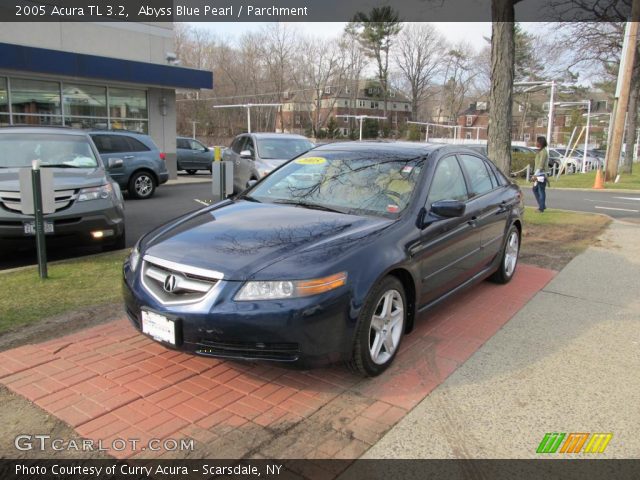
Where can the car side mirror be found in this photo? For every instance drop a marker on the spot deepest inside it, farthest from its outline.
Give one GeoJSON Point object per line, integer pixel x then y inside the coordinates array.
{"type": "Point", "coordinates": [448, 208]}
{"type": "Point", "coordinates": [246, 154]}
{"type": "Point", "coordinates": [251, 182]}
{"type": "Point", "coordinates": [115, 163]}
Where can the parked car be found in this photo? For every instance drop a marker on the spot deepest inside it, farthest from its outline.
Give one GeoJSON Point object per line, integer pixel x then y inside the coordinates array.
{"type": "Point", "coordinates": [142, 168]}
{"type": "Point", "coordinates": [193, 155]}
{"type": "Point", "coordinates": [331, 257]}
{"type": "Point", "coordinates": [255, 155]}
{"type": "Point", "coordinates": [88, 204]}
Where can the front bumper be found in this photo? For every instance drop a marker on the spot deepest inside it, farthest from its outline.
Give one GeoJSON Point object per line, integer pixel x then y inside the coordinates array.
{"type": "Point", "coordinates": [73, 224]}
{"type": "Point", "coordinates": [304, 332]}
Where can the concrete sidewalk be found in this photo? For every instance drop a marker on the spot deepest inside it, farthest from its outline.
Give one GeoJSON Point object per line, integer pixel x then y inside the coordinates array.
{"type": "Point", "coordinates": [201, 177]}
{"type": "Point", "coordinates": [569, 361]}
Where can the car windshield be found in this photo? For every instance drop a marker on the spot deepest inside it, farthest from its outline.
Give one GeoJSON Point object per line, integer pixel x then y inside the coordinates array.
{"type": "Point", "coordinates": [65, 151]}
{"type": "Point", "coordinates": [367, 183]}
{"type": "Point", "coordinates": [282, 148]}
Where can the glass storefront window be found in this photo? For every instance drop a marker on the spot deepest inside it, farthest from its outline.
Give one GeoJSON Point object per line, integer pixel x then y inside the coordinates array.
{"type": "Point", "coordinates": [4, 96]}
{"type": "Point", "coordinates": [84, 100]}
{"type": "Point", "coordinates": [127, 103]}
{"type": "Point", "coordinates": [35, 97]}
{"type": "Point", "coordinates": [87, 123]}
{"type": "Point", "coordinates": [4, 120]}
{"type": "Point", "coordinates": [36, 120]}
{"type": "Point", "coordinates": [139, 126]}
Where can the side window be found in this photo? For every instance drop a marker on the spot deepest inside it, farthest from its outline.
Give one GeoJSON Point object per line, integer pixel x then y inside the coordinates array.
{"type": "Point", "coordinates": [195, 145]}
{"type": "Point", "coordinates": [136, 145]}
{"type": "Point", "coordinates": [479, 177]}
{"type": "Point", "coordinates": [249, 146]}
{"type": "Point", "coordinates": [448, 182]}
{"type": "Point", "coordinates": [236, 146]}
{"type": "Point", "coordinates": [182, 143]}
{"type": "Point", "coordinates": [111, 143]}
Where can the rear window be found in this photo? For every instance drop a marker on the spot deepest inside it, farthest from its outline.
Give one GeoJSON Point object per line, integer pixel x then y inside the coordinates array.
{"type": "Point", "coordinates": [136, 145]}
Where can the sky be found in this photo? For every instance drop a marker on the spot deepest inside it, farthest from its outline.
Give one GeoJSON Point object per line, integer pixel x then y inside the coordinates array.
{"type": "Point", "coordinates": [472, 32]}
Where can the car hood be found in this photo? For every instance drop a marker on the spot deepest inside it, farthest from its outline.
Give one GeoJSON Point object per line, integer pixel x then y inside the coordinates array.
{"type": "Point", "coordinates": [63, 178]}
{"type": "Point", "coordinates": [242, 238]}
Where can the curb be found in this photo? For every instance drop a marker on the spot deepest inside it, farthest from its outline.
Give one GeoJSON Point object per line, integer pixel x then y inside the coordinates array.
{"type": "Point", "coordinates": [65, 260]}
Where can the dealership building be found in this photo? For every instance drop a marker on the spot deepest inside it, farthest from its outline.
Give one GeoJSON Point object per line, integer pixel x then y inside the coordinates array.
{"type": "Point", "coordinates": [95, 76]}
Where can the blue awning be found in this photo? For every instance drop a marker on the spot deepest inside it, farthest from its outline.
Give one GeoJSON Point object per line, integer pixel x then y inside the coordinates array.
{"type": "Point", "coordinates": [56, 62]}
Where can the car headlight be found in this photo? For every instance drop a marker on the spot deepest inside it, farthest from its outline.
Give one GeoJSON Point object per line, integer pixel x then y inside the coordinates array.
{"type": "Point", "coordinates": [280, 289]}
{"type": "Point", "coordinates": [95, 193]}
{"type": "Point", "coordinates": [134, 258]}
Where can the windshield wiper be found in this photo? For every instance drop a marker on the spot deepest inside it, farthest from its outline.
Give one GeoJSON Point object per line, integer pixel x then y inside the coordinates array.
{"type": "Point", "coordinates": [311, 206]}
{"type": "Point", "coordinates": [249, 198]}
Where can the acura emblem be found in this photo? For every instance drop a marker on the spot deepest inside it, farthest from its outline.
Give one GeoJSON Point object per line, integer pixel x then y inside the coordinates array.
{"type": "Point", "coordinates": [170, 283]}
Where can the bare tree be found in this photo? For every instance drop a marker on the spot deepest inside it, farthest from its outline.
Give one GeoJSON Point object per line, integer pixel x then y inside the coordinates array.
{"type": "Point", "coordinates": [319, 77]}
{"type": "Point", "coordinates": [355, 63]}
{"type": "Point", "coordinates": [458, 80]}
{"type": "Point", "coordinates": [418, 55]}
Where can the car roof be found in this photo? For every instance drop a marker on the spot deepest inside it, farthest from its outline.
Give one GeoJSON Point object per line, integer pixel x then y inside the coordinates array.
{"type": "Point", "coordinates": [117, 132]}
{"type": "Point", "coordinates": [409, 148]}
{"type": "Point", "coordinates": [278, 135]}
{"type": "Point", "coordinates": [33, 129]}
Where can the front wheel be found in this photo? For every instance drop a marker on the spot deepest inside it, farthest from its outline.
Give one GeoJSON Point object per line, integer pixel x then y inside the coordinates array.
{"type": "Point", "coordinates": [509, 260]}
{"type": "Point", "coordinates": [380, 328]}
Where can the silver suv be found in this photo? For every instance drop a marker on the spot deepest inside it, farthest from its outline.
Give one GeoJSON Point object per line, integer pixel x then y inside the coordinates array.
{"type": "Point", "coordinates": [89, 205]}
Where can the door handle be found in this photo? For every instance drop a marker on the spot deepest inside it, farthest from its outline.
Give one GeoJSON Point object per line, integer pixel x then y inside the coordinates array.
{"type": "Point", "coordinates": [504, 206]}
{"type": "Point", "coordinates": [473, 222]}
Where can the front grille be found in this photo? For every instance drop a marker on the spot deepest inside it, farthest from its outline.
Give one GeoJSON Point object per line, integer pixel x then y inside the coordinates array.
{"type": "Point", "coordinates": [11, 200]}
{"type": "Point", "coordinates": [174, 283]}
{"type": "Point", "coordinates": [284, 352]}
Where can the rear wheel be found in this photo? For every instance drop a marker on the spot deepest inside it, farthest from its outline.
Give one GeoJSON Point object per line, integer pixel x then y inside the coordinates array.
{"type": "Point", "coordinates": [142, 185]}
{"type": "Point", "coordinates": [191, 171]}
{"type": "Point", "coordinates": [509, 260]}
{"type": "Point", "coordinates": [380, 328]}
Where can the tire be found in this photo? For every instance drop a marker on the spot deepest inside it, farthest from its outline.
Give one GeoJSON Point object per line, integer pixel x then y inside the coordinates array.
{"type": "Point", "coordinates": [191, 171]}
{"type": "Point", "coordinates": [142, 185]}
{"type": "Point", "coordinates": [508, 262]}
{"type": "Point", "coordinates": [364, 360]}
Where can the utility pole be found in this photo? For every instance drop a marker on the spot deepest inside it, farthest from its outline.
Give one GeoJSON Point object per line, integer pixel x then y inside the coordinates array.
{"type": "Point", "coordinates": [622, 93]}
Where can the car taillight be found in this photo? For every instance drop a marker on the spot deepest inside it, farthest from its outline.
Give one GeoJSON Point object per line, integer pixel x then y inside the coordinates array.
{"type": "Point", "coordinates": [162, 156]}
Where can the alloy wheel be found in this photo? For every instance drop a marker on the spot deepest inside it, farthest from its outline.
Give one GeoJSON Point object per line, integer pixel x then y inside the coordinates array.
{"type": "Point", "coordinates": [386, 327]}
{"type": "Point", "coordinates": [511, 253]}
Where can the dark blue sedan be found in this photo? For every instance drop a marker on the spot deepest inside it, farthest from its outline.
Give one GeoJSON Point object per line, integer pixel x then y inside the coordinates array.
{"type": "Point", "coordinates": [329, 258]}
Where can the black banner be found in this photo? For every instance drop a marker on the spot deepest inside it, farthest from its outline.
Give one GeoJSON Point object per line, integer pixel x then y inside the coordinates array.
{"type": "Point", "coordinates": [546, 469]}
{"type": "Point", "coordinates": [303, 10]}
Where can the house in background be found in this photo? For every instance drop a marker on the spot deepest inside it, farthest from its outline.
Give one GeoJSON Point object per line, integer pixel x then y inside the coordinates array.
{"type": "Point", "coordinates": [364, 98]}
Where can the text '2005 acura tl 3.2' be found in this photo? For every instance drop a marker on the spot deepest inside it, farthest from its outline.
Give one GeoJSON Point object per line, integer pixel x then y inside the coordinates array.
{"type": "Point", "coordinates": [329, 258]}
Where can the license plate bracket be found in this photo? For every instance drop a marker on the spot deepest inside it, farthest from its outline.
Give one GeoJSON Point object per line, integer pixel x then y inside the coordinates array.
{"type": "Point", "coordinates": [160, 327]}
{"type": "Point", "coordinates": [30, 228]}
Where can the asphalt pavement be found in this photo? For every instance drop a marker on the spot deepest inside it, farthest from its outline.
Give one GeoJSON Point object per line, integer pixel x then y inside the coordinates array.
{"type": "Point", "coordinates": [620, 205]}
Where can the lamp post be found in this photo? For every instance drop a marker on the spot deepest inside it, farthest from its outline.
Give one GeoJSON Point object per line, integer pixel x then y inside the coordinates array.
{"type": "Point", "coordinates": [249, 106]}
{"type": "Point", "coordinates": [361, 118]}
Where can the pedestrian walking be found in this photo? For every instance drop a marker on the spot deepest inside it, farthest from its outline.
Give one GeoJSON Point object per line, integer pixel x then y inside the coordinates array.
{"type": "Point", "coordinates": [539, 178]}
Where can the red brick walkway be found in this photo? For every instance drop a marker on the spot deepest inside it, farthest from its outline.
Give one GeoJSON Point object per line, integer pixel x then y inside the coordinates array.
{"type": "Point", "coordinates": [111, 382]}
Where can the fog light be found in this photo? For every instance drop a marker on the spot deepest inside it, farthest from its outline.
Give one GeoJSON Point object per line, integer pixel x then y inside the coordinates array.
{"type": "Point", "coordinates": [102, 233]}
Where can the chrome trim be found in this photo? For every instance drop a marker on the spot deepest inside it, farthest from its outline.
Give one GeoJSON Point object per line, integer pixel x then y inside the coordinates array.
{"type": "Point", "coordinates": [12, 200]}
{"type": "Point", "coordinates": [179, 267]}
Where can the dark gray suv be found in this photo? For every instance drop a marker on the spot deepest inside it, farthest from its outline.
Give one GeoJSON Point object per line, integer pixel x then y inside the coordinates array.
{"type": "Point", "coordinates": [88, 204]}
{"type": "Point", "coordinates": [142, 167]}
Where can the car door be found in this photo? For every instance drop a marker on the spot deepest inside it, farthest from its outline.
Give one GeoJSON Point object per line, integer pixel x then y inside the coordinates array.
{"type": "Point", "coordinates": [114, 146]}
{"type": "Point", "coordinates": [445, 243]}
{"type": "Point", "coordinates": [233, 154]}
{"type": "Point", "coordinates": [200, 155]}
{"type": "Point", "coordinates": [491, 206]}
{"type": "Point", "coordinates": [183, 152]}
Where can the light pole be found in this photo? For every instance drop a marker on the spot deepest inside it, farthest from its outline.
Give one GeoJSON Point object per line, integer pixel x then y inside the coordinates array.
{"type": "Point", "coordinates": [535, 86]}
{"type": "Point", "coordinates": [586, 136]}
{"type": "Point", "coordinates": [249, 106]}
{"type": "Point", "coordinates": [361, 118]}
